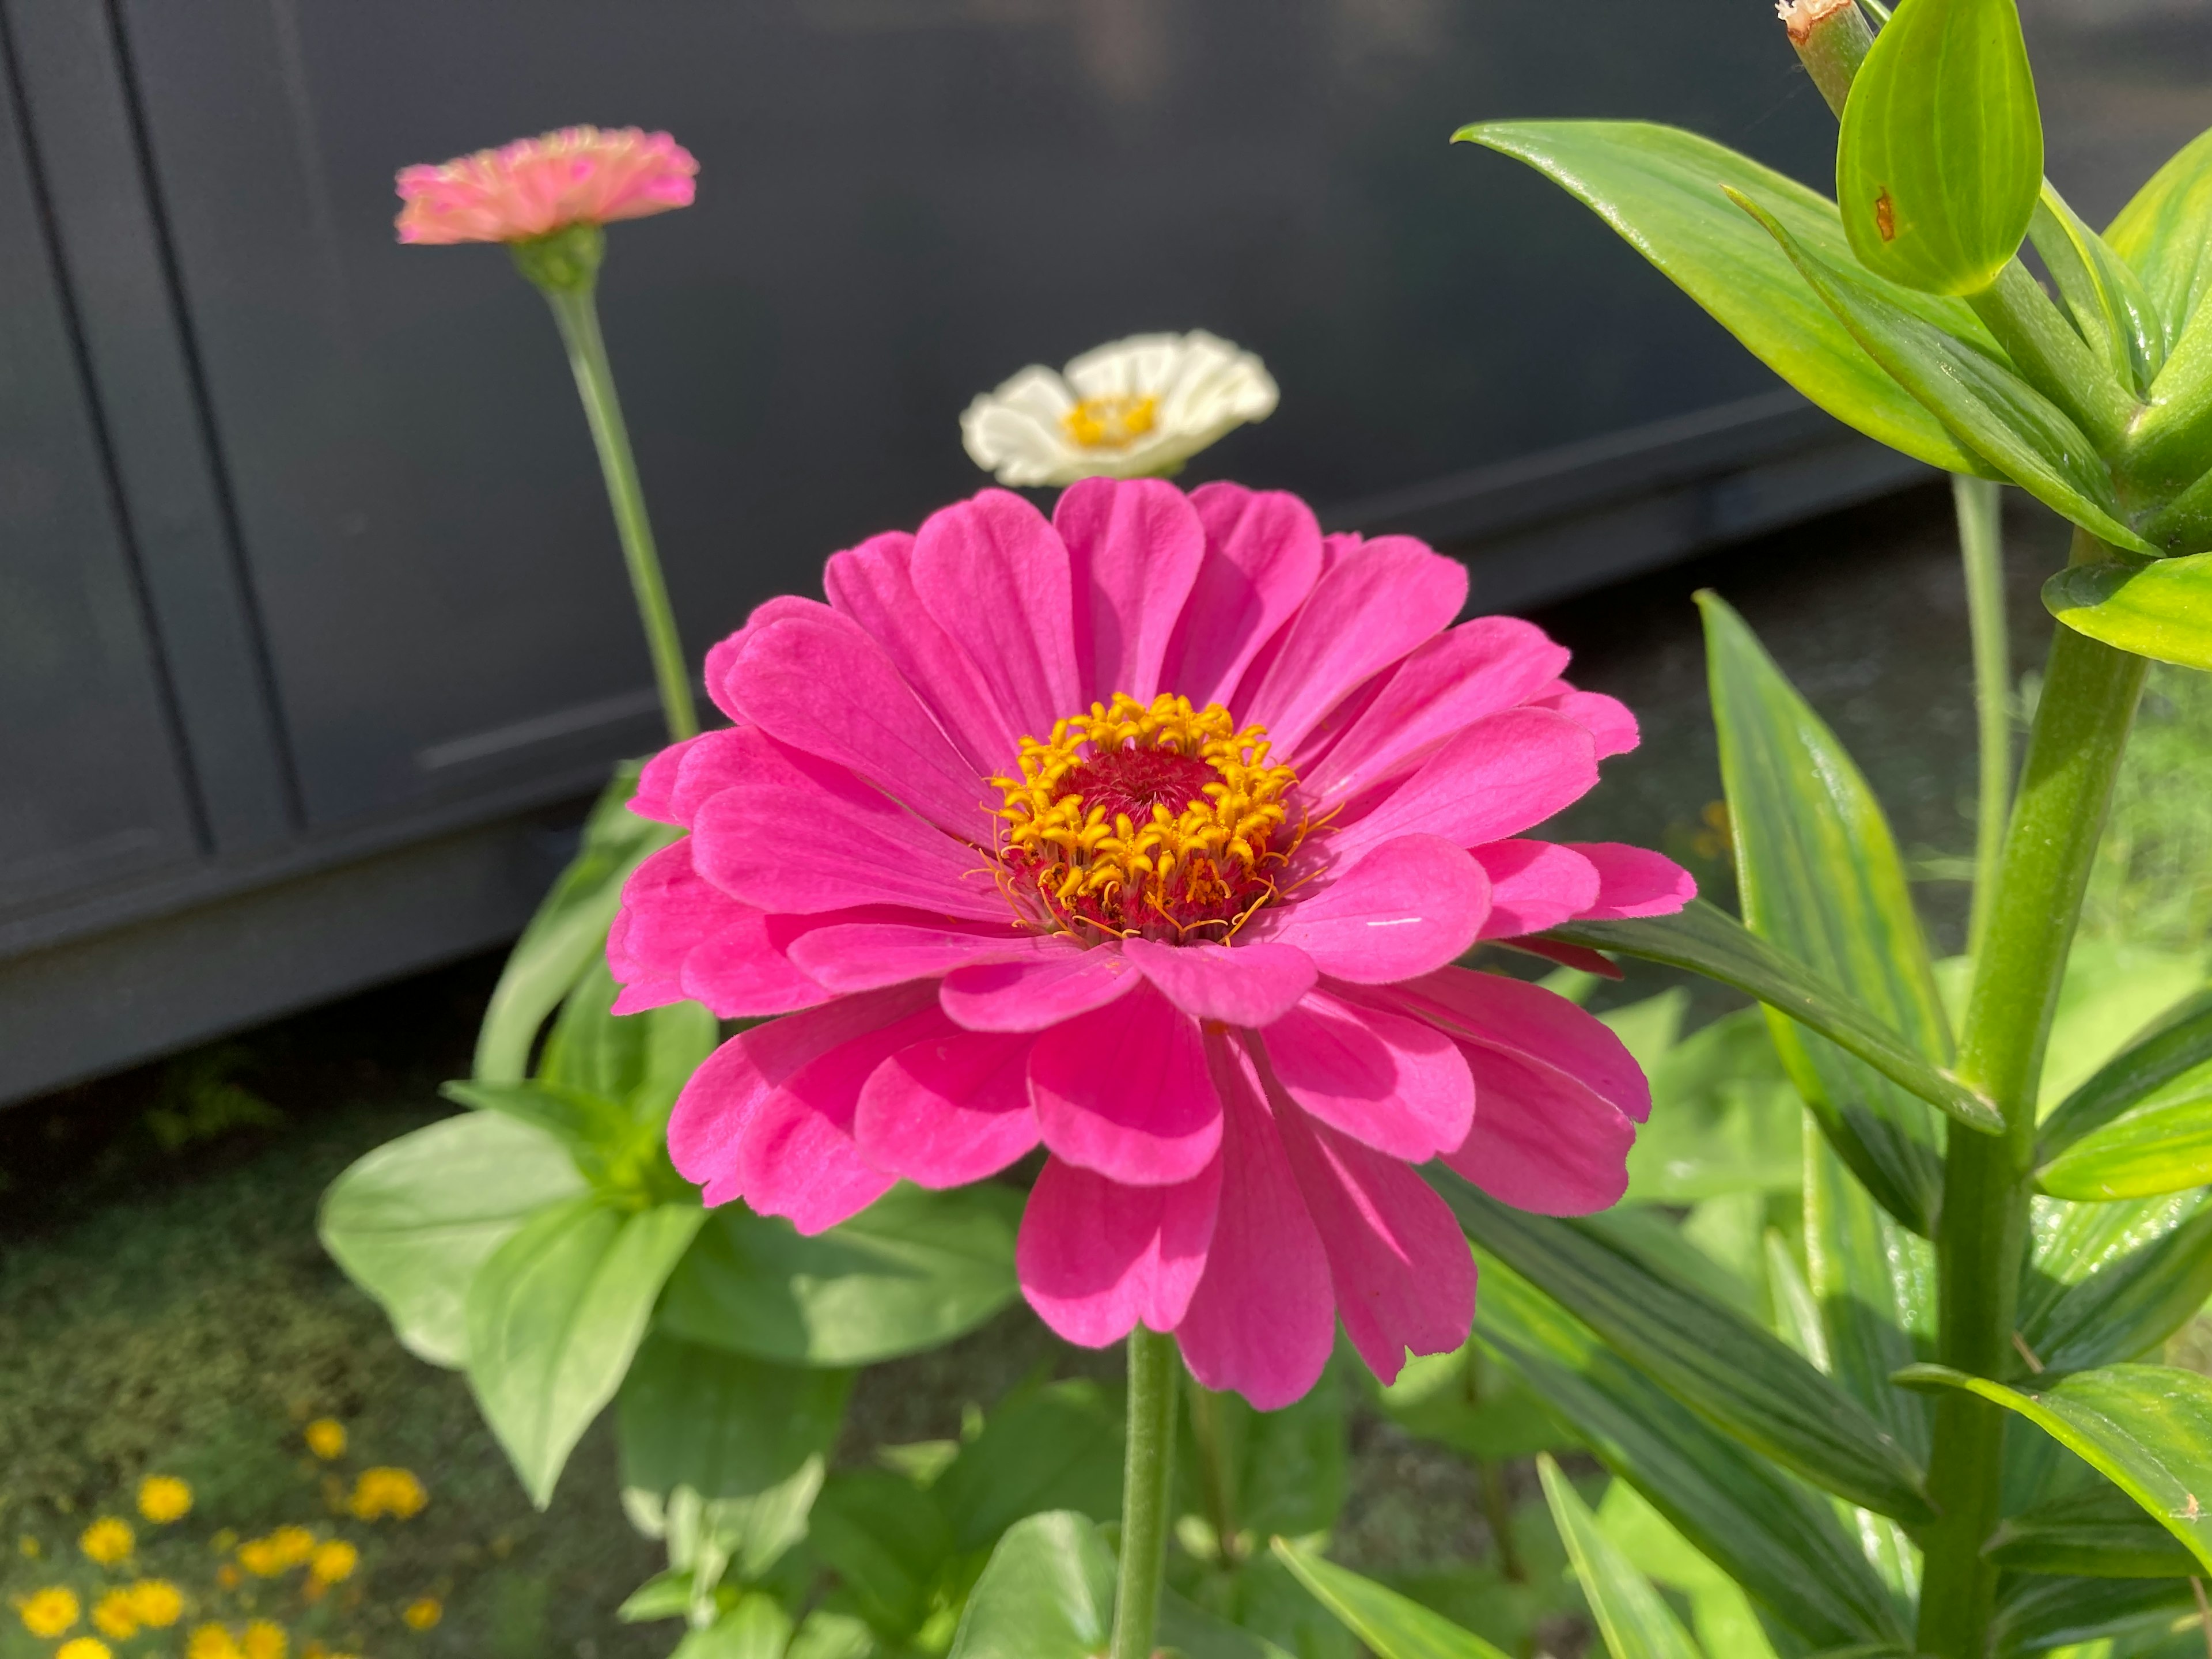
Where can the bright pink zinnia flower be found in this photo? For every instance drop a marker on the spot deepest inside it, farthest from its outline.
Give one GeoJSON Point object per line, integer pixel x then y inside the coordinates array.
{"type": "Point", "coordinates": [535, 187]}
{"type": "Point", "coordinates": [1150, 833]}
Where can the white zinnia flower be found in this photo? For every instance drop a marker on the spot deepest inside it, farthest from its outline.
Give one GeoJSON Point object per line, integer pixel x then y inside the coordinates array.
{"type": "Point", "coordinates": [1135, 408]}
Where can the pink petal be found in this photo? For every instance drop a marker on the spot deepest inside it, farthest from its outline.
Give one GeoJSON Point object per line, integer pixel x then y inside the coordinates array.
{"type": "Point", "coordinates": [1407, 906]}
{"type": "Point", "coordinates": [1096, 1257]}
{"type": "Point", "coordinates": [1504, 773]}
{"type": "Point", "coordinates": [1534, 884]}
{"type": "Point", "coordinates": [681, 930]}
{"type": "Point", "coordinates": [723, 654]}
{"type": "Point", "coordinates": [1541, 1141]}
{"type": "Point", "coordinates": [1394, 1083]}
{"type": "Point", "coordinates": [1237, 985]}
{"type": "Point", "coordinates": [797, 1158]}
{"type": "Point", "coordinates": [1262, 558]}
{"type": "Point", "coordinates": [1403, 1275]}
{"type": "Point", "coordinates": [1607, 719]}
{"type": "Point", "coordinates": [994, 575]}
{"type": "Point", "coordinates": [657, 780]}
{"type": "Point", "coordinates": [726, 1093]}
{"type": "Point", "coordinates": [1374, 607]}
{"type": "Point", "coordinates": [642, 987]}
{"type": "Point", "coordinates": [873, 584]}
{"type": "Point", "coordinates": [800, 835]}
{"type": "Point", "coordinates": [861, 956]}
{"type": "Point", "coordinates": [1262, 1321]}
{"type": "Point", "coordinates": [1134, 548]}
{"type": "Point", "coordinates": [1509, 1014]}
{"type": "Point", "coordinates": [1478, 668]}
{"type": "Point", "coordinates": [1029, 996]}
{"type": "Point", "coordinates": [1633, 882]}
{"type": "Point", "coordinates": [949, 1111]}
{"type": "Point", "coordinates": [1124, 1091]}
{"type": "Point", "coordinates": [820, 684]}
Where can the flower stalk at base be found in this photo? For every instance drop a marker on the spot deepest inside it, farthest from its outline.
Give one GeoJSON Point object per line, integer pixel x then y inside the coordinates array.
{"type": "Point", "coordinates": [1147, 1489]}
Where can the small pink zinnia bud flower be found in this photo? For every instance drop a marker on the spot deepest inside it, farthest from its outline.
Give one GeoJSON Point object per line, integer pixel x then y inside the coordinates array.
{"type": "Point", "coordinates": [536, 187]}
{"type": "Point", "coordinates": [1151, 833]}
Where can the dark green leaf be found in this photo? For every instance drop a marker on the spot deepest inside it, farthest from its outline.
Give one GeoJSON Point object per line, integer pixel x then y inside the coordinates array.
{"type": "Point", "coordinates": [2109, 302]}
{"type": "Point", "coordinates": [1052, 1448]}
{"type": "Point", "coordinates": [1875, 1285]}
{"type": "Point", "coordinates": [2146, 1428]}
{"type": "Point", "coordinates": [413, 1221]}
{"type": "Point", "coordinates": [2014, 428]}
{"type": "Point", "coordinates": [887, 1540]}
{"type": "Point", "coordinates": [2112, 1281]}
{"type": "Point", "coordinates": [1660, 187]}
{"type": "Point", "coordinates": [2179, 1042]}
{"type": "Point", "coordinates": [913, 1271]}
{"type": "Point", "coordinates": [1821, 880]}
{"type": "Point", "coordinates": [1708, 941]}
{"type": "Point", "coordinates": [1782, 1544]}
{"type": "Point", "coordinates": [2166, 234]}
{"type": "Point", "coordinates": [1740, 1378]}
{"type": "Point", "coordinates": [1635, 1620]}
{"type": "Point", "coordinates": [570, 932]}
{"type": "Point", "coordinates": [2036, 1614]}
{"type": "Point", "coordinates": [554, 1317]}
{"type": "Point", "coordinates": [2099, 1533]}
{"type": "Point", "coordinates": [1941, 155]}
{"type": "Point", "coordinates": [1391, 1626]}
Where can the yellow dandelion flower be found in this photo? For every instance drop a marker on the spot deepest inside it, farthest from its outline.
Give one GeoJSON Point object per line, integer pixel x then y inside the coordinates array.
{"type": "Point", "coordinates": [380, 1492]}
{"type": "Point", "coordinates": [163, 1499]}
{"type": "Point", "coordinates": [114, 1614]}
{"type": "Point", "coordinates": [85, 1647]}
{"type": "Point", "coordinates": [292, 1545]}
{"type": "Point", "coordinates": [334, 1562]}
{"type": "Point", "coordinates": [108, 1540]}
{"type": "Point", "coordinates": [261, 1557]}
{"type": "Point", "coordinates": [264, 1640]}
{"type": "Point", "coordinates": [47, 1612]}
{"type": "Point", "coordinates": [423, 1614]}
{"type": "Point", "coordinates": [327, 1439]}
{"type": "Point", "coordinates": [156, 1603]}
{"type": "Point", "coordinates": [211, 1642]}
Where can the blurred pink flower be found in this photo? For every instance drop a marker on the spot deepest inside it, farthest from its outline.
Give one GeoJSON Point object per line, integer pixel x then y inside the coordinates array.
{"type": "Point", "coordinates": [534, 186]}
{"type": "Point", "coordinates": [1149, 833]}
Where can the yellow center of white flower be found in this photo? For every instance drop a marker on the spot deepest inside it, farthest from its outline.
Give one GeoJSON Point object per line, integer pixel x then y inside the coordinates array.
{"type": "Point", "coordinates": [1110, 422]}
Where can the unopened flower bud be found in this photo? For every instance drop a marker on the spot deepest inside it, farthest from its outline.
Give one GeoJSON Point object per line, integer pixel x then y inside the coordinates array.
{"type": "Point", "coordinates": [1831, 38]}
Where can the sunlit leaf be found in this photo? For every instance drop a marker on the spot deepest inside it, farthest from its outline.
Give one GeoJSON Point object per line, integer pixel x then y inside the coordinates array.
{"type": "Point", "coordinates": [1874, 1284]}
{"type": "Point", "coordinates": [1391, 1626]}
{"type": "Point", "coordinates": [2108, 300]}
{"type": "Point", "coordinates": [2162, 610]}
{"type": "Point", "coordinates": [2161, 1146]}
{"type": "Point", "coordinates": [1634, 1618]}
{"type": "Point", "coordinates": [2166, 234]}
{"type": "Point", "coordinates": [2111, 1281]}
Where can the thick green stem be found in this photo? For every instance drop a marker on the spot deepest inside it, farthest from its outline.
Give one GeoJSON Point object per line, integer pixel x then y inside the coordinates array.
{"type": "Point", "coordinates": [2051, 356]}
{"type": "Point", "coordinates": [1216, 1477]}
{"type": "Point", "coordinates": [2081, 721]}
{"type": "Point", "coordinates": [1147, 1486]}
{"type": "Point", "coordinates": [578, 316]}
{"type": "Point", "coordinates": [1981, 550]}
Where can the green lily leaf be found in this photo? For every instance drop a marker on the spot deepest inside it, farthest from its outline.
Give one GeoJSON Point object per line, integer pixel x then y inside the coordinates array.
{"type": "Point", "coordinates": [1635, 1620]}
{"type": "Point", "coordinates": [2037, 1613]}
{"type": "Point", "coordinates": [2169, 442]}
{"type": "Point", "coordinates": [2179, 1043]}
{"type": "Point", "coordinates": [2112, 1281]}
{"type": "Point", "coordinates": [1722, 1617]}
{"type": "Point", "coordinates": [1391, 1626]}
{"type": "Point", "coordinates": [2161, 1146]}
{"type": "Point", "coordinates": [2109, 303]}
{"type": "Point", "coordinates": [1821, 880]}
{"type": "Point", "coordinates": [2101, 1533]}
{"type": "Point", "coordinates": [1767, 1532]}
{"type": "Point", "coordinates": [1057, 1447]}
{"type": "Point", "coordinates": [1710, 942]}
{"type": "Point", "coordinates": [1660, 187]}
{"type": "Point", "coordinates": [1939, 159]}
{"type": "Point", "coordinates": [2146, 1428]}
{"type": "Point", "coordinates": [2162, 610]}
{"type": "Point", "coordinates": [1741, 1379]}
{"type": "Point", "coordinates": [2014, 428]}
{"type": "Point", "coordinates": [2166, 234]}
{"type": "Point", "coordinates": [911, 1272]}
{"type": "Point", "coordinates": [570, 932]}
{"type": "Point", "coordinates": [412, 1222]}
{"type": "Point", "coordinates": [1874, 1284]}
{"type": "Point", "coordinates": [554, 1317]}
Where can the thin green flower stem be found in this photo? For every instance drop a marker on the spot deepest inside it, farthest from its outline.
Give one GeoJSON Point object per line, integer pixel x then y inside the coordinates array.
{"type": "Point", "coordinates": [576, 312]}
{"type": "Point", "coordinates": [1147, 1485]}
{"type": "Point", "coordinates": [1217, 1485]}
{"type": "Point", "coordinates": [2081, 720]}
{"type": "Point", "coordinates": [1980, 506]}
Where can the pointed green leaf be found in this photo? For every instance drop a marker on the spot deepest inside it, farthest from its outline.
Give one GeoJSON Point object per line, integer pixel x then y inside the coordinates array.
{"type": "Point", "coordinates": [1821, 880]}
{"type": "Point", "coordinates": [2015, 428]}
{"type": "Point", "coordinates": [1874, 1284]}
{"type": "Point", "coordinates": [412, 1222]}
{"type": "Point", "coordinates": [554, 1317]}
{"type": "Point", "coordinates": [642, 1061]}
{"type": "Point", "coordinates": [1709, 941]}
{"type": "Point", "coordinates": [2110, 304]}
{"type": "Point", "coordinates": [1722, 1617]}
{"type": "Point", "coordinates": [1740, 1378]}
{"type": "Point", "coordinates": [912, 1271]}
{"type": "Point", "coordinates": [1634, 1618]}
{"type": "Point", "coordinates": [2112, 1281]}
{"type": "Point", "coordinates": [2169, 442]}
{"type": "Point", "coordinates": [1941, 155]}
{"type": "Point", "coordinates": [2162, 610]}
{"type": "Point", "coordinates": [2179, 1042]}
{"type": "Point", "coordinates": [2166, 234]}
{"type": "Point", "coordinates": [2101, 1533]}
{"type": "Point", "coordinates": [2146, 1428]}
{"type": "Point", "coordinates": [2037, 1613]}
{"type": "Point", "coordinates": [1772, 1536]}
{"type": "Point", "coordinates": [2161, 1146]}
{"type": "Point", "coordinates": [1391, 1626]}
{"type": "Point", "coordinates": [1659, 187]}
